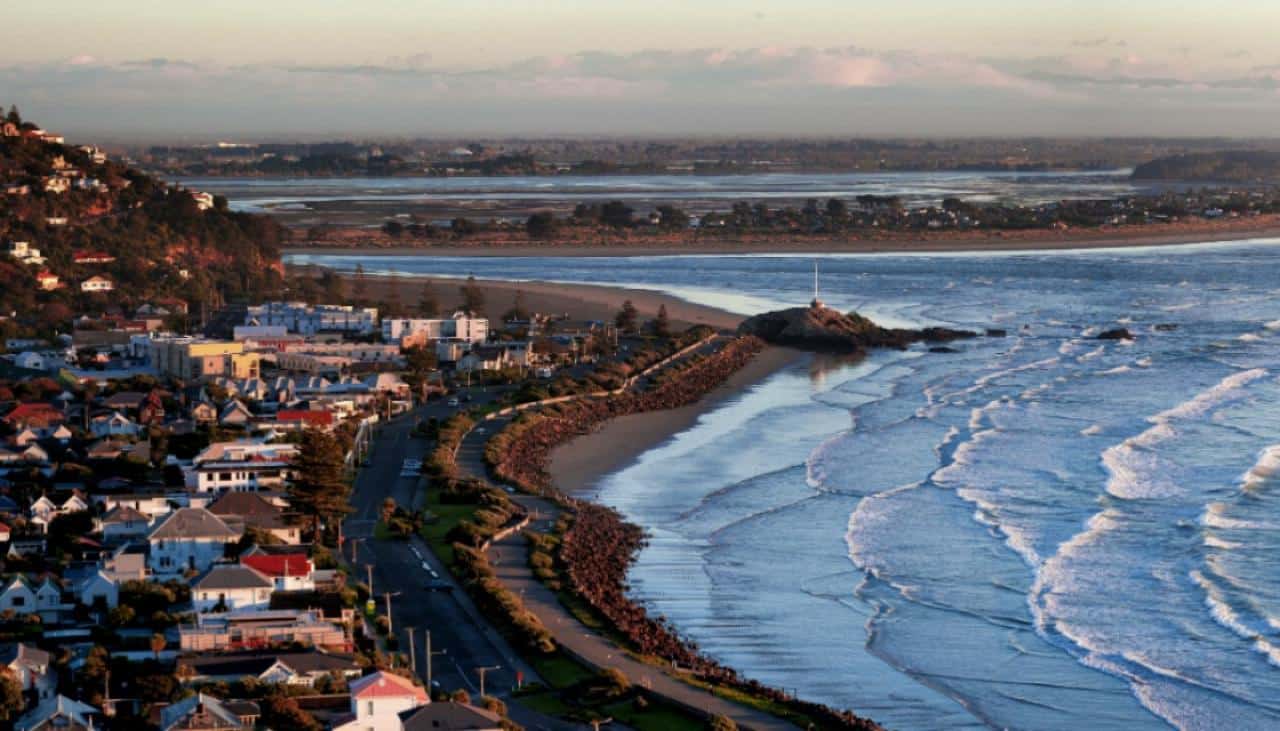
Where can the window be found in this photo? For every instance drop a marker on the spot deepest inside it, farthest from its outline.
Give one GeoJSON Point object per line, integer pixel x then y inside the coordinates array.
{"type": "Point", "coordinates": [18, 601]}
{"type": "Point", "coordinates": [369, 708]}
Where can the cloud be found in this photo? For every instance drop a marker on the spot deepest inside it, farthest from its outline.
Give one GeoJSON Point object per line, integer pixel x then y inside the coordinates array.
{"type": "Point", "coordinates": [783, 89]}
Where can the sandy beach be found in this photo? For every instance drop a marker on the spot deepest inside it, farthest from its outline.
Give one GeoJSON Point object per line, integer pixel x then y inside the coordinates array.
{"type": "Point", "coordinates": [580, 464]}
{"type": "Point", "coordinates": [578, 301]}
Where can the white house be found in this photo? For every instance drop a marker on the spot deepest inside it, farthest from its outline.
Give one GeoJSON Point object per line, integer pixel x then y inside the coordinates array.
{"type": "Point", "coordinates": [97, 587]}
{"type": "Point", "coordinates": [113, 424]}
{"type": "Point", "coordinates": [18, 596]}
{"type": "Point", "coordinates": [24, 252]}
{"type": "Point", "coordinates": [243, 465]}
{"type": "Point", "coordinates": [97, 283]}
{"type": "Point", "coordinates": [189, 538]}
{"type": "Point", "coordinates": [123, 523]}
{"type": "Point", "coordinates": [29, 666]}
{"type": "Point", "coordinates": [231, 587]}
{"type": "Point", "coordinates": [377, 701]}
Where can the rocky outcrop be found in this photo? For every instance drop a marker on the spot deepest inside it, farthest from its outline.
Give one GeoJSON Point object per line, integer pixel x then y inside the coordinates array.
{"type": "Point", "coordinates": [1119, 333]}
{"type": "Point", "coordinates": [824, 329]}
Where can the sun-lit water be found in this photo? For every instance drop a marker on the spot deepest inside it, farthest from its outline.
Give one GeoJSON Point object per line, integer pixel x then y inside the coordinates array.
{"type": "Point", "coordinates": [1041, 531]}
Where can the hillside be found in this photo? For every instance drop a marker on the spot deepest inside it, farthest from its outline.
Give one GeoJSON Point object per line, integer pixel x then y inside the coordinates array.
{"type": "Point", "coordinates": [88, 216]}
{"type": "Point", "coordinates": [1236, 166]}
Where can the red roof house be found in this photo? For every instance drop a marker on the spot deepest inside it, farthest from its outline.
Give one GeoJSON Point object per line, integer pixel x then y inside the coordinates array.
{"type": "Point", "coordinates": [35, 415]}
{"type": "Point", "coordinates": [306, 418]}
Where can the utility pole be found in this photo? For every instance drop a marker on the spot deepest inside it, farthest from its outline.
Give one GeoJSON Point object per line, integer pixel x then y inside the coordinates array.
{"type": "Point", "coordinates": [482, 671]}
{"type": "Point", "coordinates": [387, 596]}
{"type": "Point", "coordinates": [369, 568]}
{"type": "Point", "coordinates": [413, 657]}
{"type": "Point", "coordinates": [355, 548]}
{"type": "Point", "coordinates": [597, 723]}
{"type": "Point", "coordinates": [430, 656]}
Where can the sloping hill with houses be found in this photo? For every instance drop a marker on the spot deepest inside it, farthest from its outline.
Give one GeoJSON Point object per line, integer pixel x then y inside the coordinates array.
{"type": "Point", "coordinates": [80, 232]}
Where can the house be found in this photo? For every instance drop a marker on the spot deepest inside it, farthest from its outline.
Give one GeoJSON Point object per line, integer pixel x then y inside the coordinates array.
{"type": "Point", "coordinates": [92, 257]}
{"type": "Point", "coordinates": [203, 412]}
{"type": "Point", "coordinates": [290, 668]}
{"type": "Point", "coordinates": [188, 539]}
{"type": "Point", "coordinates": [235, 413]}
{"type": "Point", "coordinates": [387, 383]}
{"type": "Point", "coordinates": [112, 425]}
{"type": "Point", "coordinates": [123, 523]}
{"type": "Point", "coordinates": [97, 283]}
{"type": "Point", "coordinates": [59, 713]}
{"type": "Point", "coordinates": [29, 666]}
{"type": "Point", "coordinates": [47, 280]}
{"type": "Point", "coordinates": [34, 361]}
{"type": "Point", "coordinates": [243, 465]}
{"type": "Point", "coordinates": [5, 533]}
{"type": "Point", "coordinates": [24, 252]}
{"type": "Point", "coordinates": [202, 712]}
{"type": "Point", "coordinates": [254, 511]}
{"type": "Point", "coordinates": [125, 401]}
{"type": "Point", "coordinates": [299, 419]}
{"type": "Point", "coordinates": [22, 597]}
{"type": "Point", "coordinates": [377, 700]}
{"type": "Point", "coordinates": [97, 588]}
{"type": "Point", "coordinates": [229, 587]}
{"type": "Point", "coordinates": [289, 571]}
{"type": "Point", "coordinates": [35, 416]}
{"type": "Point", "coordinates": [497, 357]}
{"type": "Point", "coordinates": [256, 628]}
{"type": "Point", "coordinates": [450, 716]}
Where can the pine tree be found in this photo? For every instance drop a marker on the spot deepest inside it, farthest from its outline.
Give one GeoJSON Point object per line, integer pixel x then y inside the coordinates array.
{"type": "Point", "coordinates": [662, 323]}
{"type": "Point", "coordinates": [319, 488]}
{"type": "Point", "coordinates": [627, 317]}
{"type": "Point", "coordinates": [428, 305]}
{"type": "Point", "coordinates": [472, 296]}
{"type": "Point", "coordinates": [361, 287]}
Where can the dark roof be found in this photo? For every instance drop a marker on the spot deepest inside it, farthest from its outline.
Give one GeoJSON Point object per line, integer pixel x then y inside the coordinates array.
{"type": "Point", "coordinates": [256, 663]}
{"type": "Point", "coordinates": [192, 523]}
{"type": "Point", "coordinates": [244, 504]}
{"type": "Point", "coordinates": [448, 716]}
{"type": "Point", "coordinates": [231, 576]}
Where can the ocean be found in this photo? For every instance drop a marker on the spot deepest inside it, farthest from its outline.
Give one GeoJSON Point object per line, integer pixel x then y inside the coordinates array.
{"type": "Point", "coordinates": [1044, 530]}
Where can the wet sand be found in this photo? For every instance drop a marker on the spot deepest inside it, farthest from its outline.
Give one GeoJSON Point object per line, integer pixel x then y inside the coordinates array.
{"type": "Point", "coordinates": [578, 466]}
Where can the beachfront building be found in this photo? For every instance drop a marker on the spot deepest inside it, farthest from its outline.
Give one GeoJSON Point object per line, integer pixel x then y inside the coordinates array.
{"type": "Point", "coordinates": [460, 326]}
{"type": "Point", "coordinates": [305, 319]}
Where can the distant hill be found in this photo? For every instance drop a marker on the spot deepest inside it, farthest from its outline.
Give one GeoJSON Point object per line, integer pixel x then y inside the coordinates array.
{"type": "Point", "coordinates": [92, 216]}
{"type": "Point", "coordinates": [1234, 166]}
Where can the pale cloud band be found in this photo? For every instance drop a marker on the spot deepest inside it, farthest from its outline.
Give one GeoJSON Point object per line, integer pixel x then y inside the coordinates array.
{"type": "Point", "coordinates": [767, 90]}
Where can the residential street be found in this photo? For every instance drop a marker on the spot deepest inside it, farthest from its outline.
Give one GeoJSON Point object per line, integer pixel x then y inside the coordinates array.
{"type": "Point", "coordinates": [457, 629]}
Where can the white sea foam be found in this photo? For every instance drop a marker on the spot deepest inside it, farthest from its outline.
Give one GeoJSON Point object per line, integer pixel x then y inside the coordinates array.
{"type": "Point", "coordinates": [1250, 338]}
{"type": "Point", "coordinates": [1267, 466]}
{"type": "Point", "coordinates": [1096, 352]}
{"type": "Point", "coordinates": [1091, 430]}
{"type": "Point", "coordinates": [1273, 325]}
{"type": "Point", "coordinates": [1116, 371]}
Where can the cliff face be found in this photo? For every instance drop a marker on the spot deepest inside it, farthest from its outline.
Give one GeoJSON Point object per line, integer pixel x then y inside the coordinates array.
{"type": "Point", "coordinates": [824, 329]}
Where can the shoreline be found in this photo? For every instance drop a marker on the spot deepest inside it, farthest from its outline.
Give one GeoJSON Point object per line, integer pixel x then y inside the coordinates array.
{"type": "Point", "coordinates": [578, 301]}
{"type": "Point", "coordinates": [578, 466]}
{"type": "Point", "coordinates": [1034, 242]}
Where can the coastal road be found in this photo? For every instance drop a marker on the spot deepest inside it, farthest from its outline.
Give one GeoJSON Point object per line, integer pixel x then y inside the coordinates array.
{"type": "Point", "coordinates": [457, 628]}
{"type": "Point", "coordinates": [510, 558]}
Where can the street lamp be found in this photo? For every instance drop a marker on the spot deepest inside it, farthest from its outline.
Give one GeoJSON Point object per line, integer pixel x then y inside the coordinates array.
{"type": "Point", "coordinates": [482, 671]}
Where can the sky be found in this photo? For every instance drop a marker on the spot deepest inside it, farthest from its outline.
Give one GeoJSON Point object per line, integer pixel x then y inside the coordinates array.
{"type": "Point", "coordinates": [133, 70]}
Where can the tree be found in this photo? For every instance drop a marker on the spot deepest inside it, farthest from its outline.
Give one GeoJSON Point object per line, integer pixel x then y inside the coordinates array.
{"type": "Point", "coordinates": [319, 488]}
{"type": "Point", "coordinates": [662, 323]}
{"type": "Point", "coordinates": [542, 225]}
{"type": "Point", "coordinates": [519, 309]}
{"type": "Point", "coordinates": [472, 296]}
{"type": "Point", "coordinates": [616, 214]}
{"type": "Point", "coordinates": [393, 229]}
{"type": "Point", "coordinates": [721, 723]}
{"type": "Point", "coordinates": [627, 317]}
{"type": "Point", "coordinates": [672, 218]}
{"type": "Point", "coordinates": [361, 287]}
{"type": "Point", "coordinates": [393, 295]}
{"type": "Point", "coordinates": [462, 226]}
{"type": "Point", "coordinates": [158, 643]}
{"type": "Point", "coordinates": [428, 305]}
{"type": "Point", "coordinates": [11, 699]}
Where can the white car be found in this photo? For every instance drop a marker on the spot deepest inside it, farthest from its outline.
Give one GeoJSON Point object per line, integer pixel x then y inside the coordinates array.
{"type": "Point", "coordinates": [453, 402]}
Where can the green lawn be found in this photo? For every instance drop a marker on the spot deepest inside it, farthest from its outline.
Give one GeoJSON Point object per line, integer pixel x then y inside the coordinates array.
{"type": "Point", "coordinates": [446, 517]}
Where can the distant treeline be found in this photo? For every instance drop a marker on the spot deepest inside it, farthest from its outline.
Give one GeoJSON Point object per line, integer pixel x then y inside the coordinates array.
{"type": "Point", "coordinates": [1236, 166]}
